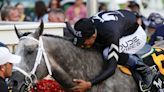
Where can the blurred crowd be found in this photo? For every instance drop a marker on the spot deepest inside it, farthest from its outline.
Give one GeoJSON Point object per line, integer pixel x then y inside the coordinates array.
{"type": "Point", "coordinates": [51, 13]}
{"type": "Point", "coordinates": [153, 25]}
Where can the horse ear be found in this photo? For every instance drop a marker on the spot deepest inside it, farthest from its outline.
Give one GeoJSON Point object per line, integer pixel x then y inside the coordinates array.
{"type": "Point", "coordinates": [18, 33]}
{"type": "Point", "coordinates": [70, 29]}
{"type": "Point", "coordinates": [39, 31]}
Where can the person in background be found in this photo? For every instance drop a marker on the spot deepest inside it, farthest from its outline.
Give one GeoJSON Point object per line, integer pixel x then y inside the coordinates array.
{"type": "Point", "coordinates": [158, 35]}
{"type": "Point", "coordinates": [40, 11]}
{"type": "Point", "coordinates": [102, 7]}
{"type": "Point", "coordinates": [76, 11]}
{"type": "Point", "coordinates": [54, 4]}
{"type": "Point", "coordinates": [22, 16]}
{"type": "Point", "coordinates": [10, 13]}
{"type": "Point", "coordinates": [7, 60]}
{"type": "Point", "coordinates": [154, 20]}
{"type": "Point", "coordinates": [135, 8]}
{"type": "Point", "coordinates": [58, 16]}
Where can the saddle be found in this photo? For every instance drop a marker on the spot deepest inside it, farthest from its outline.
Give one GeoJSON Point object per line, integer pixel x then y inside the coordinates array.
{"type": "Point", "coordinates": [153, 57]}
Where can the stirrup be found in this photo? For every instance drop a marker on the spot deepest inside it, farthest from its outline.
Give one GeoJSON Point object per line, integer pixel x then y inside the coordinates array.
{"type": "Point", "coordinates": [141, 87]}
{"type": "Point", "coordinates": [147, 89]}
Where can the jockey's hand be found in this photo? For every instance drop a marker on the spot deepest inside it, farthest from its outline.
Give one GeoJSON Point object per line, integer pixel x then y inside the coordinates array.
{"type": "Point", "coordinates": [81, 86]}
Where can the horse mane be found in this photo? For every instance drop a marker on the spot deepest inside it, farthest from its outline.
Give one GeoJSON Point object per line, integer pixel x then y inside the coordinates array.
{"type": "Point", "coordinates": [55, 36]}
{"type": "Point", "coordinates": [95, 47]}
{"type": "Point", "coordinates": [49, 35]}
{"type": "Point", "coordinates": [26, 33]}
{"type": "Point", "coordinates": [70, 40]}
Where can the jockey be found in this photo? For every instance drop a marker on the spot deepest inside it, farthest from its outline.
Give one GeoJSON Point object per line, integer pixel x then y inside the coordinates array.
{"type": "Point", "coordinates": [119, 35]}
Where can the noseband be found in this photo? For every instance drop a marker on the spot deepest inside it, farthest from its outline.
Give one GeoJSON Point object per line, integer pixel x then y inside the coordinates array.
{"type": "Point", "coordinates": [31, 78]}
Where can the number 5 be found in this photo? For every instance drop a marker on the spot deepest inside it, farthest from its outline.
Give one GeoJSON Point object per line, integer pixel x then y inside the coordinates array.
{"type": "Point", "coordinates": [158, 61]}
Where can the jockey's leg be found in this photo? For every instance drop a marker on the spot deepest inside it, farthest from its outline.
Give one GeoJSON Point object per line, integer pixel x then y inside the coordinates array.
{"type": "Point", "coordinates": [136, 64]}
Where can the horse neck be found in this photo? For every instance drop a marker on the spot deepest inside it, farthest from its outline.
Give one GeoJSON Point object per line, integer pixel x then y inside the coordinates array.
{"type": "Point", "coordinates": [57, 72]}
{"type": "Point", "coordinates": [66, 60]}
{"type": "Point", "coordinates": [41, 70]}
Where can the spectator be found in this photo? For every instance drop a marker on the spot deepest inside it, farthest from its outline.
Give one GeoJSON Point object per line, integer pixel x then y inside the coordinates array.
{"type": "Point", "coordinates": [57, 15]}
{"type": "Point", "coordinates": [41, 11]}
{"type": "Point", "coordinates": [10, 14]}
{"type": "Point", "coordinates": [135, 8]}
{"type": "Point", "coordinates": [22, 16]}
{"type": "Point", "coordinates": [158, 35]}
{"type": "Point", "coordinates": [76, 11]}
{"type": "Point", "coordinates": [102, 7]}
{"type": "Point", "coordinates": [154, 20]}
{"type": "Point", "coordinates": [54, 4]}
{"type": "Point", "coordinates": [6, 63]}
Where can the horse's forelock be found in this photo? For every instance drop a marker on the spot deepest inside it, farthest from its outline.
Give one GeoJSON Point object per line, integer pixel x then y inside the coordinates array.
{"type": "Point", "coordinates": [26, 34]}
{"type": "Point", "coordinates": [25, 48]}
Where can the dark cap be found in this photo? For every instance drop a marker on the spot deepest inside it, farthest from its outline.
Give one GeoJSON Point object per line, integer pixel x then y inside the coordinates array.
{"type": "Point", "coordinates": [132, 4]}
{"type": "Point", "coordinates": [155, 19]}
{"type": "Point", "coordinates": [84, 30]}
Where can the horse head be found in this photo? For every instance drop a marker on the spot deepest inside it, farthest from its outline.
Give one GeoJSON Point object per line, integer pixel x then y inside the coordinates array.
{"type": "Point", "coordinates": [33, 66]}
{"type": "Point", "coordinates": [27, 49]}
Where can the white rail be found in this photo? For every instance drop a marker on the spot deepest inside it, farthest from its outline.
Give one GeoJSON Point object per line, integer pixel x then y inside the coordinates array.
{"type": "Point", "coordinates": [8, 35]}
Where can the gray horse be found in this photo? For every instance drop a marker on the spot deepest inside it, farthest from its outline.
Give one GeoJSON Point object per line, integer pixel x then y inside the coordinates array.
{"type": "Point", "coordinates": [66, 63]}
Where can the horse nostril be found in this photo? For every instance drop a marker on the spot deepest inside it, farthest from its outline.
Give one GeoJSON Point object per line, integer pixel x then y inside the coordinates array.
{"type": "Point", "coordinates": [15, 83]}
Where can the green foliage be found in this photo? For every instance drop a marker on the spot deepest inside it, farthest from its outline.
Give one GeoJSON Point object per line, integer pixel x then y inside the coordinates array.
{"type": "Point", "coordinates": [122, 6]}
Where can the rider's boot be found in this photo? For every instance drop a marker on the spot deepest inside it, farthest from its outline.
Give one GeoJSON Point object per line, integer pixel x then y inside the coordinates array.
{"type": "Point", "coordinates": [148, 76]}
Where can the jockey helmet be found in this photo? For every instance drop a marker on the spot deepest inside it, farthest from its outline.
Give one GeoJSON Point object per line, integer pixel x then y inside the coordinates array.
{"type": "Point", "coordinates": [84, 30]}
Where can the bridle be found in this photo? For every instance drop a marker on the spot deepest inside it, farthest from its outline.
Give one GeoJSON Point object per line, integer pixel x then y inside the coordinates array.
{"type": "Point", "coordinates": [31, 78]}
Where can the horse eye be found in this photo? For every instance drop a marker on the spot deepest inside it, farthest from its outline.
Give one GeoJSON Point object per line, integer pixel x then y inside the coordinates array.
{"type": "Point", "coordinates": [13, 83]}
{"type": "Point", "coordinates": [30, 51]}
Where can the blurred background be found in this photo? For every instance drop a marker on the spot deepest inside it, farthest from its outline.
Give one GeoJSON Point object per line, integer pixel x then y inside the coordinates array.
{"type": "Point", "coordinates": [146, 6]}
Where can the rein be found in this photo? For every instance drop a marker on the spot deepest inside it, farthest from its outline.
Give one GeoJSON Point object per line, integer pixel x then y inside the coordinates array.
{"type": "Point", "coordinates": [30, 77]}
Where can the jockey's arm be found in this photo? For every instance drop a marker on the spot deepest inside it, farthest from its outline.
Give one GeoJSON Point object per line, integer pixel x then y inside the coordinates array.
{"type": "Point", "coordinates": [108, 71]}
{"type": "Point", "coordinates": [111, 56]}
